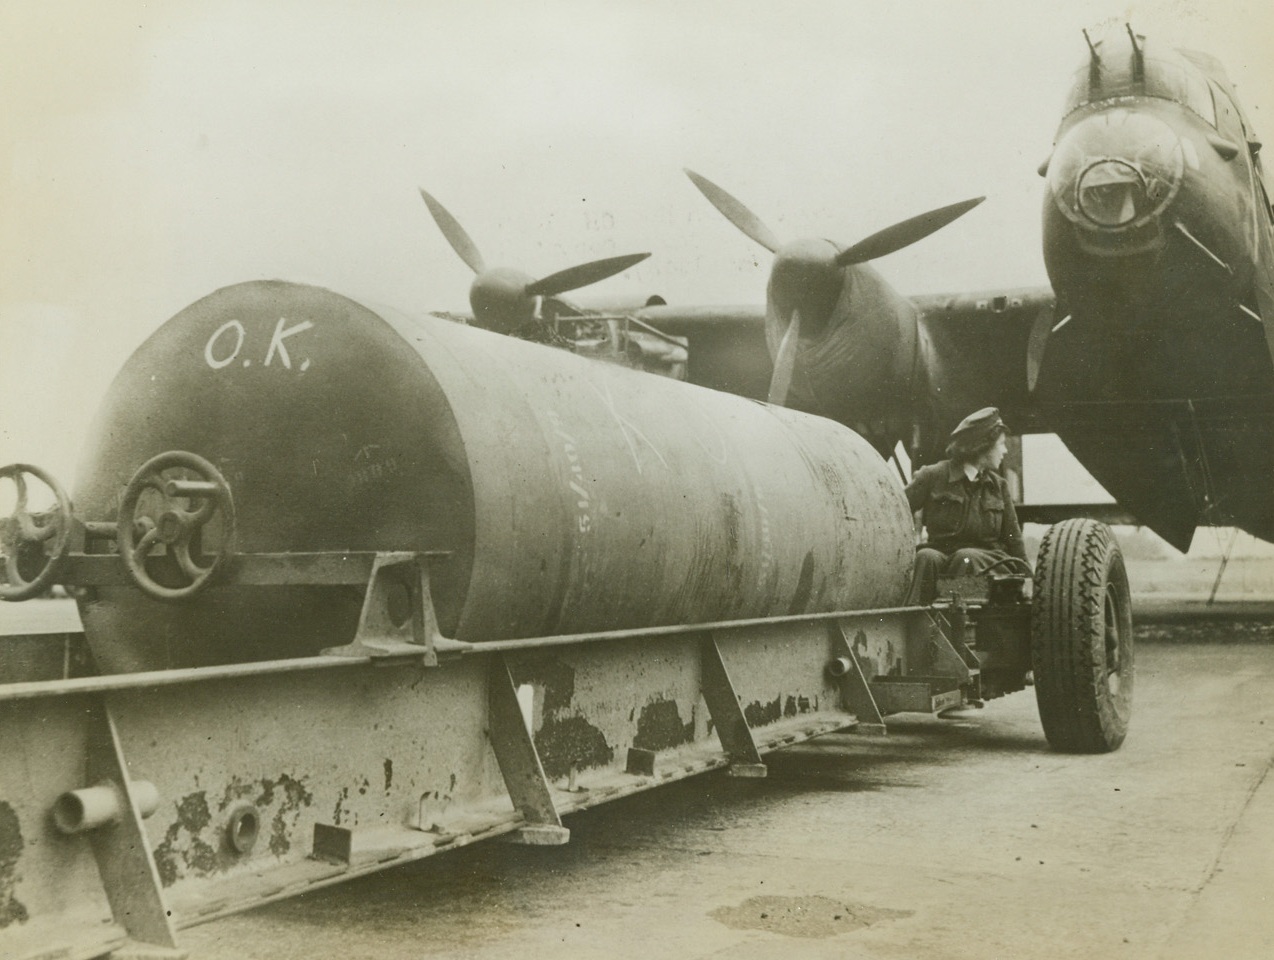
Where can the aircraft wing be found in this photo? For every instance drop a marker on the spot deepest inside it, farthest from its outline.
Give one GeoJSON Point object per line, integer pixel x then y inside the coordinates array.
{"type": "Point", "coordinates": [977, 349]}
{"type": "Point", "coordinates": [726, 345]}
{"type": "Point", "coordinates": [983, 350]}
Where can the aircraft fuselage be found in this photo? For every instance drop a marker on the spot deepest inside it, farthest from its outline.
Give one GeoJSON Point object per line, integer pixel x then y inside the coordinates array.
{"type": "Point", "coordinates": [1157, 240]}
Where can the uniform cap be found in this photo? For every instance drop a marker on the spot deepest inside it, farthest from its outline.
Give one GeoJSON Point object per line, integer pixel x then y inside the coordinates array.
{"type": "Point", "coordinates": [978, 426]}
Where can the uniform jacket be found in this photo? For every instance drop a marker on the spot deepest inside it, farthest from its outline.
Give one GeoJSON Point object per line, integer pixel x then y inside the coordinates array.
{"type": "Point", "coordinates": [959, 512]}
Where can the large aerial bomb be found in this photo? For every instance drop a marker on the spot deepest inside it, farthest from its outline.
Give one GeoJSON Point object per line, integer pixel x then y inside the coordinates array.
{"type": "Point", "coordinates": [554, 494]}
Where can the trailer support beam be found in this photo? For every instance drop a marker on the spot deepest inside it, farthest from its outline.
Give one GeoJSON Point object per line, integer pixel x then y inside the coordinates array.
{"type": "Point", "coordinates": [122, 850]}
{"type": "Point", "coordinates": [855, 690]}
{"type": "Point", "coordinates": [727, 716]}
{"type": "Point", "coordinates": [519, 761]}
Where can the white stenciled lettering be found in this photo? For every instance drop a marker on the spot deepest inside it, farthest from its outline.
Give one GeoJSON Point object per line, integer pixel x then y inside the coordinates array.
{"type": "Point", "coordinates": [210, 348]}
{"type": "Point", "coordinates": [276, 342]}
{"type": "Point", "coordinates": [575, 480]}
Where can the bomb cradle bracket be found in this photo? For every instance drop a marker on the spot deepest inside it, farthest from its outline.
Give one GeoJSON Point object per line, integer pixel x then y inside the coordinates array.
{"type": "Point", "coordinates": [398, 616]}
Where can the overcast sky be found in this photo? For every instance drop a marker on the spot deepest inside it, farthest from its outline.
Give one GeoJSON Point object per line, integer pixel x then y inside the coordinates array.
{"type": "Point", "coordinates": [154, 152]}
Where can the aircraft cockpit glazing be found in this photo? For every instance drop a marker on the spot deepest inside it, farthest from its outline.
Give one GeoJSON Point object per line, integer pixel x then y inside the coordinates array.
{"type": "Point", "coordinates": [1116, 70]}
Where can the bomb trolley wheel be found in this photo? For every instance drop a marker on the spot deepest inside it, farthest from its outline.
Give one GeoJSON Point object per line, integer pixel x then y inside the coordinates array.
{"type": "Point", "coordinates": [1081, 638]}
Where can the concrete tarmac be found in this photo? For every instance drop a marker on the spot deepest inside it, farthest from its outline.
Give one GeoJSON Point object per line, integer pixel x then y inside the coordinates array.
{"type": "Point", "coordinates": [949, 839]}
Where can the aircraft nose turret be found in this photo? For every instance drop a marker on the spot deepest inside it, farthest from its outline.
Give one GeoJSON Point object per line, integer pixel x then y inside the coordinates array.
{"type": "Point", "coordinates": [1113, 174]}
{"type": "Point", "coordinates": [1111, 192]}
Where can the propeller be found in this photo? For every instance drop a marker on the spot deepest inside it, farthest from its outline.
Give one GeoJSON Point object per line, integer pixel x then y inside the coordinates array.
{"type": "Point", "coordinates": [785, 361]}
{"type": "Point", "coordinates": [734, 211]}
{"type": "Point", "coordinates": [454, 234]}
{"type": "Point", "coordinates": [808, 276]}
{"type": "Point", "coordinates": [504, 300]}
{"type": "Point", "coordinates": [904, 234]}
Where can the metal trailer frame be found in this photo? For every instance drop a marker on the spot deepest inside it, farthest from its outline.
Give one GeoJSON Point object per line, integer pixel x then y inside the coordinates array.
{"type": "Point", "coordinates": [134, 805]}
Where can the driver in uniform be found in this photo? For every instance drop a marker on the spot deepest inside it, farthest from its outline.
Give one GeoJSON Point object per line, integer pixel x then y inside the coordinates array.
{"type": "Point", "coordinates": [966, 508]}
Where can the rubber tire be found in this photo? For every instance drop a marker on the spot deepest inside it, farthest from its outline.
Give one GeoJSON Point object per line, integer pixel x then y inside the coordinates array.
{"type": "Point", "coordinates": [1081, 638]}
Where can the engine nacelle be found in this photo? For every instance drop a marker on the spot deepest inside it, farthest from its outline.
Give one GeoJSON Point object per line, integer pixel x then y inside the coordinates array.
{"type": "Point", "coordinates": [860, 367]}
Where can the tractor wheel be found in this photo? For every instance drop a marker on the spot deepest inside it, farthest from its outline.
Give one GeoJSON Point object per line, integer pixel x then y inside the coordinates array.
{"type": "Point", "coordinates": [1081, 638]}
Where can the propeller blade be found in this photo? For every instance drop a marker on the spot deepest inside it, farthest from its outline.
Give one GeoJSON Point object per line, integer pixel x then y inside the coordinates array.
{"type": "Point", "coordinates": [572, 278]}
{"type": "Point", "coordinates": [455, 234]}
{"type": "Point", "coordinates": [785, 362]}
{"type": "Point", "coordinates": [903, 234]}
{"type": "Point", "coordinates": [736, 213]}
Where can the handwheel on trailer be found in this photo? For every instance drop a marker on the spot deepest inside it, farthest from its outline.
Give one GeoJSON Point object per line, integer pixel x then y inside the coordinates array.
{"type": "Point", "coordinates": [176, 528]}
{"type": "Point", "coordinates": [1081, 638]}
{"type": "Point", "coordinates": [33, 545]}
